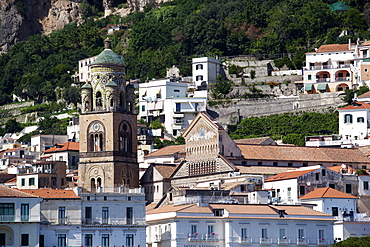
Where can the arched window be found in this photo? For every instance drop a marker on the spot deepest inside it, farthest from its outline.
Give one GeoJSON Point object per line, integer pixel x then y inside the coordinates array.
{"type": "Point", "coordinates": [99, 182]}
{"type": "Point", "coordinates": [92, 184]}
{"type": "Point", "coordinates": [199, 67]}
{"type": "Point", "coordinates": [125, 138]}
{"type": "Point", "coordinates": [98, 99]}
{"type": "Point", "coordinates": [96, 136]}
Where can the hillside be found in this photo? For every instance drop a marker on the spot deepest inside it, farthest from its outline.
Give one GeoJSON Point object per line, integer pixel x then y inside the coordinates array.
{"type": "Point", "coordinates": [41, 68]}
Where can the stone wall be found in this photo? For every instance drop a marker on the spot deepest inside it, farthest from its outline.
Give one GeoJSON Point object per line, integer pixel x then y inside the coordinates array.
{"type": "Point", "coordinates": [233, 110]}
{"type": "Point", "coordinates": [17, 105]}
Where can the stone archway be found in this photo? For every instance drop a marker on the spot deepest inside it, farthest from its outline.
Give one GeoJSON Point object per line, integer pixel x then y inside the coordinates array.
{"type": "Point", "coordinates": [6, 236]}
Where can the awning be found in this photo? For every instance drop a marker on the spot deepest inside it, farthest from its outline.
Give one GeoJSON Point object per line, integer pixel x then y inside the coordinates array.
{"type": "Point", "coordinates": [308, 87]}
{"type": "Point", "coordinates": [322, 86]}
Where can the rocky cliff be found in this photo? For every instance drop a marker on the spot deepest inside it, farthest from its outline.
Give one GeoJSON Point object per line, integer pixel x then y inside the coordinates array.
{"type": "Point", "coordinates": [23, 18]}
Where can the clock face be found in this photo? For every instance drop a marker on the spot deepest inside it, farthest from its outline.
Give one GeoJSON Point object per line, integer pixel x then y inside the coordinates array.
{"type": "Point", "coordinates": [96, 127]}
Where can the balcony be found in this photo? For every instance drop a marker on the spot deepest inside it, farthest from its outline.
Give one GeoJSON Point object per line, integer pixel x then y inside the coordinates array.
{"type": "Point", "coordinates": [25, 218]}
{"type": "Point", "coordinates": [194, 237]}
{"type": "Point", "coordinates": [265, 241]}
{"type": "Point", "coordinates": [321, 67]}
{"type": "Point", "coordinates": [301, 241]}
{"type": "Point", "coordinates": [342, 79]}
{"type": "Point", "coordinates": [245, 240]}
{"type": "Point", "coordinates": [283, 241]}
{"type": "Point", "coordinates": [105, 221]}
{"type": "Point", "coordinates": [322, 242]}
{"type": "Point", "coordinates": [7, 218]}
{"type": "Point", "coordinates": [211, 237]}
{"type": "Point", "coordinates": [62, 221]}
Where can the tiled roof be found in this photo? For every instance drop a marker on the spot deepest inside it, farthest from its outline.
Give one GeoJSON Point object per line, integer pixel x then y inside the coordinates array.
{"type": "Point", "coordinates": [257, 140]}
{"type": "Point", "coordinates": [13, 193]}
{"type": "Point", "coordinates": [340, 169]}
{"type": "Point", "coordinates": [364, 95]}
{"type": "Point", "coordinates": [365, 43]}
{"type": "Point", "coordinates": [165, 170]}
{"type": "Point", "coordinates": [334, 47]}
{"type": "Point", "coordinates": [303, 154]}
{"type": "Point", "coordinates": [298, 210]}
{"type": "Point", "coordinates": [168, 208]}
{"type": "Point", "coordinates": [263, 169]}
{"type": "Point", "coordinates": [168, 150]}
{"type": "Point", "coordinates": [12, 180]}
{"type": "Point", "coordinates": [53, 194]}
{"type": "Point", "coordinates": [356, 105]}
{"type": "Point", "coordinates": [12, 150]}
{"type": "Point", "coordinates": [68, 146]}
{"type": "Point", "coordinates": [288, 175]}
{"type": "Point", "coordinates": [327, 192]}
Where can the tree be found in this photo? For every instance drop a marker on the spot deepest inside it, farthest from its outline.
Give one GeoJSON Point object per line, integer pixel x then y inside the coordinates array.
{"type": "Point", "coordinates": [12, 126]}
{"type": "Point", "coordinates": [72, 95]}
{"type": "Point", "coordinates": [221, 88]}
{"type": "Point", "coordinates": [354, 242]}
{"type": "Point", "coordinates": [348, 98]}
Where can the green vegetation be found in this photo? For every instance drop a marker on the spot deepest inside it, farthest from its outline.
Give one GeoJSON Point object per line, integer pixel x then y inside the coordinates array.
{"type": "Point", "coordinates": [235, 69]}
{"type": "Point", "coordinates": [290, 127]}
{"type": "Point", "coordinates": [350, 93]}
{"type": "Point", "coordinates": [158, 143]}
{"type": "Point", "coordinates": [354, 242]}
{"type": "Point", "coordinates": [221, 88]}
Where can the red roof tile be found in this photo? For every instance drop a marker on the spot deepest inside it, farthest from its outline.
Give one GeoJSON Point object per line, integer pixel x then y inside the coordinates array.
{"type": "Point", "coordinates": [334, 47]}
{"type": "Point", "coordinates": [168, 150]}
{"type": "Point", "coordinates": [327, 192]}
{"type": "Point", "coordinates": [288, 175]}
{"type": "Point", "coordinates": [356, 105]}
{"type": "Point", "coordinates": [68, 146]}
{"type": "Point", "coordinates": [13, 193]}
{"type": "Point", "coordinates": [165, 170]}
{"type": "Point", "coordinates": [53, 194]}
{"type": "Point", "coordinates": [364, 95]}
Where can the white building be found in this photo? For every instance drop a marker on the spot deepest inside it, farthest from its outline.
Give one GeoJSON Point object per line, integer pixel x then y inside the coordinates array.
{"type": "Point", "coordinates": [205, 71]}
{"type": "Point", "coordinates": [169, 101]}
{"type": "Point", "coordinates": [328, 69]}
{"type": "Point", "coordinates": [86, 219]}
{"type": "Point", "coordinates": [19, 218]}
{"type": "Point", "coordinates": [68, 152]}
{"type": "Point", "coordinates": [40, 143]}
{"type": "Point", "coordinates": [236, 225]}
{"type": "Point", "coordinates": [84, 71]}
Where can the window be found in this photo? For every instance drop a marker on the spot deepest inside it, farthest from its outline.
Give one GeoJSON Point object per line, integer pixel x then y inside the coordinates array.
{"type": "Point", "coordinates": [6, 212]}
{"type": "Point", "coordinates": [129, 240]}
{"type": "Point", "coordinates": [129, 215]}
{"type": "Point", "coordinates": [305, 164]}
{"type": "Point", "coordinates": [275, 164]}
{"type": "Point", "coordinates": [366, 185]}
{"type": "Point", "coordinates": [348, 188]}
{"type": "Point", "coordinates": [302, 190]}
{"type": "Point", "coordinates": [309, 77]}
{"type": "Point", "coordinates": [364, 53]}
{"type": "Point", "coordinates": [317, 176]}
{"type": "Point", "coordinates": [264, 233]}
{"type": "Point", "coordinates": [105, 215]}
{"type": "Point", "coordinates": [301, 233]}
{"type": "Point", "coordinates": [143, 108]}
{"type": "Point", "coordinates": [282, 234]}
{"type": "Point", "coordinates": [31, 181]}
{"type": "Point", "coordinates": [62, 240]}
{"type": "Point", "coordinates": [365, 70]}
{"type": "Point", "coordinates": [25, 212]}
{"type": "Point", "coordinates": [323, 172]}
{"type": "Point", "coordinates": [244, 234]}
{"type": "Point", "coordinates": [348, 118]}
{"type": "Point", "coordinates": [25, 240]}
{"type": "Point", "coordinates": [193, 229]}
{"type": "Point", "coordinates": [332, 186]}
{"type": "Point", "coordinates": [260, 163]}
{"type": "Point", "coordinates": [321, 235]}
{"type": "Point", "coordinates": [178, 107]}
{"type": "Point", "coordinates": [199, 78]}
{"type": "Point", "coordinates": [360, 120]}
{"type": "Point", "coordinates": [196, 106]}
{"type": "Point", "coordinates": [176, 91]}
{"type": "Point", "coordinates": [210, 229]}
{"type": "Point", "coordinates": [242, 188]}
{"type": "Point", "coordinates": [199, 66]}
{"type": "Point", "coordinates": [23, 182]}
{"type": "Point", "coordinates": [88, 240]}
{"type": "Point", "coordinates": [105, 240]}
{"type": "Point", "coordinates": [290, 164]}
{"type": "Point", "coordinates": [289, 193]}
{"type": "Point", "coordinates": [88, 215]}
{"type": "Point", "coordinates": [218, 212]}
{"type": "Point", "coordinates": [334, 211]}
{"type": "Point", "coordinates": [62, 215]}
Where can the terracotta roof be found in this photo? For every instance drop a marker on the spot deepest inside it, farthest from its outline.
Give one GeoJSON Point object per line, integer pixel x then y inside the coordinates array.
{"type": "Point", "coordinates": [327, 192]}
{"type": "Point", "coordinates": [165, 170]}
{"type": "Point", "coordinates": [68, 146]}
{"type": "Point", "coordinates": [13, 193]}
{"type": "Point", "coordinates": [11, 150]}
{"type": "Point", "coordinates": [355, 106]}
{"type": "Point", "coordinates": [364, 95]}
{"type": "Point", "coordinates": [263, 169]}
{"type": "Point", "coordinates": [168, 208]}
{"type": "Point", "coordinates": [340, 169]}
{"type": "Point", "coordinates": [12, 180]}
{"type": "Point", "coordinates": [298, 210]}
{"type": "Point", "coordinates": [53, 194]}
{"type": "Point", "coordinates": [257, 140]}
{"type": "Point", "coordinates": [365, 150]}
{"type": "Point", "coordinates": [303, 154]}
{"type": "Point", "coordinates": [365, 43]}
{"type": "Point", "coordinates": [168, 150]}
{"type": "Point", "coordinates": [288, 175]}
{"type": "Point", "coordinates": [334, 47]}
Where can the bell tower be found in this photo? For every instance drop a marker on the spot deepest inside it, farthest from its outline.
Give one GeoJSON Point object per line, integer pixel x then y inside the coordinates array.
{"type": "Point", "coordinates": [108, 126]}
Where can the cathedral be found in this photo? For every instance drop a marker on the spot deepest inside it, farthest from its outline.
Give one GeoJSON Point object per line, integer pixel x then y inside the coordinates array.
{"type": "Point", "coordinates": [108, 127]}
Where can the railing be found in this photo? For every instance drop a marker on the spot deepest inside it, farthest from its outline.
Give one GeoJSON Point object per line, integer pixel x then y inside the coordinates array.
{"type": "Point", "coordinates": [283, 241]}
{"type": "Point", "coordinates": [62, 221]}
{"type": "Point", "coordinates": [265, 241]}
{"type": "Point", "coordinates": [342, 78]}
{"type": "Point", "coordinates": [7, 218]}
{"type": "Point", "coordinates": [194, 237]}
{"type": "Point", "coordinates": [25, 218]}
{"type": "Point", "coordinates": [245, 240]}
{"type": "Point", "coordinates": [320, 67]}
{"type": "Point", "coordinates": [322, 241]}
{"type": "Point", "coordinates": [301, 241]}
{"type": "Point", "coordinates": [104, 221]}
{"type": "Point", "coordinates": [323, 80]}
{"type": "Point", "coordinates": [113, 221]}
{"type": "Point", "coordinates": [211, 237]}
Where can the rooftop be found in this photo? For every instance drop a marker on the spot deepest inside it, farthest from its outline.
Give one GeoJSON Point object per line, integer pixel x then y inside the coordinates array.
{"type": "Point", "coordinates": [6, 192]}
{"type": "Point", "coordinates": [288, 175]}
{"type": "Point", "coordinates": [327, 192]}
{"type": "Point", "coordinates": [52, 194]}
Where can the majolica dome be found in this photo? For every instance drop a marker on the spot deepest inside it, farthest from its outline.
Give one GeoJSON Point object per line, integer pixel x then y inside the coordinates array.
{"type": "Point", "coordinates": [108, 56]}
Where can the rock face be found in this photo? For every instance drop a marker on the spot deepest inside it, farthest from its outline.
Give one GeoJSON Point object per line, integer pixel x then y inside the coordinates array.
{"type": "Point", "coordinates": [23, 18]}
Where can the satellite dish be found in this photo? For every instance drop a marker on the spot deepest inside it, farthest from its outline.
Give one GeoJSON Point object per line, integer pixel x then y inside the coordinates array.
{"type": "Point", "coordinates": [308, 183]}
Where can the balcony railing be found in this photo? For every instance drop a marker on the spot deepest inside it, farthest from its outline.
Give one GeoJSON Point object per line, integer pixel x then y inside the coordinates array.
{"type": "Point", "coordinates": [211, 237]}
{"type": "Point", "coordinates": [105, 221]}
{"type": "Point", "coordinates": [283, 241]}
{"type": "Point", "coordinates": [322, 242]}
{"type": "Point", "coordinates": [62, 221]}
{"type": "Point", "coordinates": [245, 240]}
{"type": "Point", "coordinates": [342, 78]}
{"type": "Point", "coordinates": [320, 67]}
{"type": "Point", "coordinates": [265, 241]}
{"type": "Point", "coordinates": [25, 218]}
{"type": "Point", "coordinates": [7, 218]}
{"type": "Point", "coordinates": [301, 241]}
{"type": "Point", "coordinates": [323, 80]}
{"type": "Point", "coordinates": [194, 237]}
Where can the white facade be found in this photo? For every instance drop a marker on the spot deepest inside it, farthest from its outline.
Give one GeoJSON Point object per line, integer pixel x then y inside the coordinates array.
{"type": "Point", "coordinates": [40, 143]}
{"type": "Point", "coordinates": [330, 205]}
{"type": "Point", "coordinates": [84, 71]}
{"type": "Point", "coordinates": [363, 187]}
{"type": "Point", "coordinates": [344, 230]}
{"type": "Point", "coordinates": [19, 220]}
{"type": "Point", "coordinates": [205, 70]}
{"type": "Point", "coordinates": [169, 102]}
{"type": "Point", "coordinates": [353, 123]}
{"type": "Point", "coordinates": [237, 225]}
